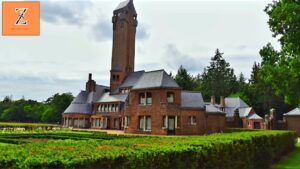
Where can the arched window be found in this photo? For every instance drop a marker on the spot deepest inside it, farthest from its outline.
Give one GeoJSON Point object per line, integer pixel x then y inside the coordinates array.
{"type": "Point", "coordinates": [170, 97]}
{"type": "Point", "coordinates": [149, 98]}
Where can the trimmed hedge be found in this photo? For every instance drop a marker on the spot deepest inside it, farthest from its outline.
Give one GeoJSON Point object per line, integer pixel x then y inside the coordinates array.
{"type": "Point", "coordinates": [237, 150]}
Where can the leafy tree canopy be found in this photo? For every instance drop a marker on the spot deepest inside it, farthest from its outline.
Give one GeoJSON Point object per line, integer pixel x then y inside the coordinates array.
{"type": "Point", "coordinates": [281, 68]}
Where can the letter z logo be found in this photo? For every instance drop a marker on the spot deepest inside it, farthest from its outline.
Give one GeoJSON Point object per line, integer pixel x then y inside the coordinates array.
{"type": "Point", "coordinates": [21, 16]}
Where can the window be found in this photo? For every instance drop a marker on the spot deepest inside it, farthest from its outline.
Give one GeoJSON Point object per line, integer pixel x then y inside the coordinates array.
{"type": "Point", "coordinates": [116, 108]}
{"type": "Point", "coordinates": [126, 121]}
{"type": "Point", "coordinates": [102, 108]}
{"type": "Point", "coordinates": [164, 122]}
{"type": "Point", "coordinates": [109, 108]}
{"type": "Point", "coordinates": [141, 123]}
{"type": "Point", "coordinates": [142, 100]}
{"type": "Point", "coordinates": [145, 123]}
{"type": "Point", "coordinates": [106, 108]}
{"type": "Point", "coordinates": [192, 120]}
{"type": "Point", "coordinates": [148, 123]}
{"type": "Point", "coordinates": [149, 98]}
{"type": "Point", "coordinates": [113, 108]}
{"type": "Point", "coordinates": [170, 97]}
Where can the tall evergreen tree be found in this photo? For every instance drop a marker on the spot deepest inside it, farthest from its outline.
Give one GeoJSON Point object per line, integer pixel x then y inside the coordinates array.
{"type": "Point", "coordinates": [218, 79]}
{"type": "Point", "coordinates": [184, 79]}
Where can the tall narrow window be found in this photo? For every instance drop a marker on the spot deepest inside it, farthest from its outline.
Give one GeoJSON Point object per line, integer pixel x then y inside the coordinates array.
{"type": "Point", "coordinates": [170, 97]}
{"type": "Point", "coordinates": [106, 108]}
{"type": "Point", "coordinates": [102, 108]}
{"type": "Point", "coordinates": [142, 99]}
{"type": "Point", "coordinates": [149, 98]}
{"type": "Point", "coordinates": [141, 122]}
{"type": "Point", "coordinates": [148, 123]}
{"type": "Point", "coordinates": [113, 108]}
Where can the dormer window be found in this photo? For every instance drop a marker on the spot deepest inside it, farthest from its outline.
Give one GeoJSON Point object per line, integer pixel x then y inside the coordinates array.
{"type": "Point", "coordinates": [170, 97]}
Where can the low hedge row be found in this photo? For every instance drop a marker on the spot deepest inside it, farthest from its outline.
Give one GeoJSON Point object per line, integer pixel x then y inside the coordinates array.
{"type": "Point", "coordinates": [238, 150]}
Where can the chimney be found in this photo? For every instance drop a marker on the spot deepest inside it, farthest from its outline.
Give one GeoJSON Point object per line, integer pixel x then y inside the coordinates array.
{"type": "Point", "coordinates": [222, 102]}
{"type": "Point", "coordinates": [212, 100]}
{"type": "Point", "coordinates": [90, 84]}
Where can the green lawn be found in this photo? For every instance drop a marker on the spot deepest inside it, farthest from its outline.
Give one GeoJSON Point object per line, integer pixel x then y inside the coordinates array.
{"type": "Point", "coordinates": [291, 161]}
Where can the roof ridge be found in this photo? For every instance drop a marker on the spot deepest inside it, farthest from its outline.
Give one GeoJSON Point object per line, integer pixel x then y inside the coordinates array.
{"type": "Point", "coordinates": [158, 70]}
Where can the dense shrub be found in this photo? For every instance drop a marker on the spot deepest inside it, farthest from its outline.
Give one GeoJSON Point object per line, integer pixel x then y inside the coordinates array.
{"type": "Point", "coordinates": [237, 150]}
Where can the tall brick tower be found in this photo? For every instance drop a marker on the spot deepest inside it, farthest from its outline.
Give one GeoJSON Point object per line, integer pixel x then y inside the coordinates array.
{"type": "Point", "coordinates": [124, 28]}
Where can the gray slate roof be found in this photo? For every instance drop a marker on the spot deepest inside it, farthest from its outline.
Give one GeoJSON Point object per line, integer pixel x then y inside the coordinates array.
{"type": "Point", "coordinates": [191, 100]}
{"type": "Point", "coordinates": [131, 79]}
{"type": "Point", "coordinates": [209, 108]}
{"type": "Point", "coordinates": [294, 112]}
{"type": "Point", "coordinates": [244, 112]}
{"type": "Point", "coordinates": [154, 79]}
{"type": "Point", "coordinates": [255, 117]}
{"type": "Point", "coordinates": [113, 98]}
{"type": "Point", "coordinates": [233, 103]}
{"type": "Point", "coordinates": [82, 103]}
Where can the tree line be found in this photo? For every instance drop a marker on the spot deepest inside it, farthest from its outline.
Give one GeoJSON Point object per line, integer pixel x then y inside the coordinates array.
{"type": "Point", "coordinates": [274, 83]}
{"type": "Point", "coordinates": [22, 110]}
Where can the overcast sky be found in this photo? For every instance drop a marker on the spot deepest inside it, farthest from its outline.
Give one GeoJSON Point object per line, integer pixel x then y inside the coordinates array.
{"type": "Point", "coordinates": [76, 39]}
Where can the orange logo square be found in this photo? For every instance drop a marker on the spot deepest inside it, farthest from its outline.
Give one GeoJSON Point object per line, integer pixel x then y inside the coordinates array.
{"type": "Point", "coordinates": [20, 18]}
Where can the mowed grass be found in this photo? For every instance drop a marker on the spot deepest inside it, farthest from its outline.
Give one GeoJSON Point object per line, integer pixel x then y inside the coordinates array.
{"type": "Point", "coordinates": [291, 161]}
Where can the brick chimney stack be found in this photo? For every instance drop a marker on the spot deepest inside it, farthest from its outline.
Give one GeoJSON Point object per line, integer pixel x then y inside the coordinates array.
{"type": "Point", "coordinates": [212, 100]}
{"type": "Point", "coordinates": [222, 103]}
{"type": "Point", "coordinates": [90, 84]}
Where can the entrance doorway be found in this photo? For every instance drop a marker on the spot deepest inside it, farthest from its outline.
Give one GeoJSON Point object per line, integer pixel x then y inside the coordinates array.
{"type": "Point", "coordinates": [171, 125]}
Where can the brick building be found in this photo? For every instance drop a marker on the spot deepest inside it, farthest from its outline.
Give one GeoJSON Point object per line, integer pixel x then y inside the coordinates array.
{"type": "Point", "coordinates": [138, 101]}
{"type": "Point", "coordinates": [238, 113]}
{"type": "Point", "coordinates": [292, 120]}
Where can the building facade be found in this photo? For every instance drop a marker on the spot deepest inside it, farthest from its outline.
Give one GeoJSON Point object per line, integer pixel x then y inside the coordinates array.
{"type": "Point", "coordinates": [138, 101]}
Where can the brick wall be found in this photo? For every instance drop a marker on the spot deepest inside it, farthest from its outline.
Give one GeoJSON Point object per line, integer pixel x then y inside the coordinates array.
{"type": "Point", "coordinates": [292, 123]}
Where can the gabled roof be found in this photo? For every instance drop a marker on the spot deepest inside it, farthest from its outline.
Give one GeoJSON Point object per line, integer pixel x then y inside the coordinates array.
{"type": "Point", "coordinates": [294, 112]}
{"type": "Point", "coordinates": [244, 112]}
{"type": "Point", "coordinates": [235, 102]}
{"type": "Point", "coordinates": [191, 100]}
{"type": "Point", "coordinates": [131, 79]}
{"type": "Point", "coordinates": [113, 98]}
{"type": "Point", "coordinates": [209, 108]}
{"type": "Point", "coordinates": [82, 103]}
{"type": "Point", "coordinates": [255, 117]}
{"type": "Point", "coordinates": [154, 79]}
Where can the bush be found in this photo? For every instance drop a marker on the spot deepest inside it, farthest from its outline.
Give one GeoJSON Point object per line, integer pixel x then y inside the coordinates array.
{"type": "Point", "coordinates": [237, 150]}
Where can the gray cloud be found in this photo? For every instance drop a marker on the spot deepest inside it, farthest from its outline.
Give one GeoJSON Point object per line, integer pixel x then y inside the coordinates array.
{"type": "Point", "coordinates": [142, 32]}
{"type": "Point", "coordinates": [174, 58]}
{"type": "Point", "coordinates": [38, 88]}
{"type": "Point", "coordinates": [70, 12]}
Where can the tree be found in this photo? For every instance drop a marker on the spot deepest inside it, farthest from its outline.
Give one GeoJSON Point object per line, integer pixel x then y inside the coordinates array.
{"type": "Point", "coordinates": [218, 79]}
{"type": "Point", "coordinates": [184, 79]}
{"type": "Point", "coordinates": [282, 68]}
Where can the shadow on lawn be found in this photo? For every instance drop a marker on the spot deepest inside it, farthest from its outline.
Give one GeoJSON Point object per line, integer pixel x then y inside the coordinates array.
{"type": "Point", "coordinates": [290, 161]}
